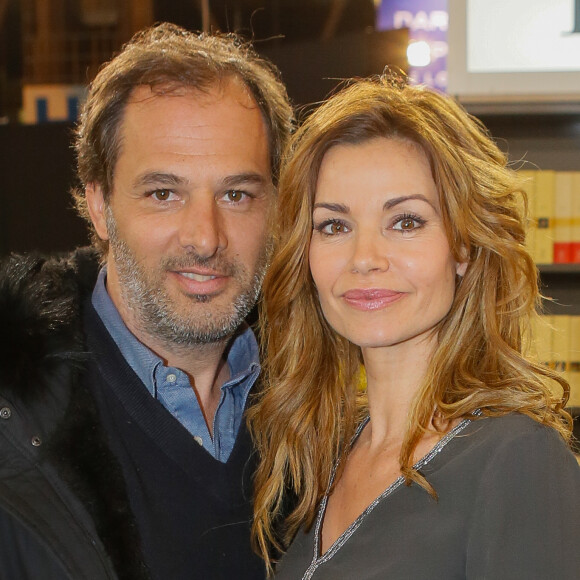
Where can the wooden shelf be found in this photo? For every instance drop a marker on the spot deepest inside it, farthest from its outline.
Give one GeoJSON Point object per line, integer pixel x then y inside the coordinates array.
{"type": "Point", "coordinates": [559, 268]}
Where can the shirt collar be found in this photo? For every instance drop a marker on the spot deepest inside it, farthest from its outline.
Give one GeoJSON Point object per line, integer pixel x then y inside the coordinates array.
{"type": "Point", "coordinates": [242, 357]}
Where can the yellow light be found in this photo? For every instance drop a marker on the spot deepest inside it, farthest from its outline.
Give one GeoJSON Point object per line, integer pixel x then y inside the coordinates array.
{"type": "Point", "coordinates": [419, 53]}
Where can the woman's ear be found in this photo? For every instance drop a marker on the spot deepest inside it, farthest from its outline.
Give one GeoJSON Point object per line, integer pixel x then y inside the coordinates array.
{"type": "Point", "coordinates": [461, 267]}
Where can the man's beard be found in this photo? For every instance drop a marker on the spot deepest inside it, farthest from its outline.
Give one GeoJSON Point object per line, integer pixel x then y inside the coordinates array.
{"type": "Point", "coordinates": [160, 317]}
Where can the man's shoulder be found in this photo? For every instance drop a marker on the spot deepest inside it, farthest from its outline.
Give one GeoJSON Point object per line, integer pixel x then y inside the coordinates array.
{"type": "Point", "coordinates": [40, 298]}
{"type": "Point", "coordinates": [24, 275]}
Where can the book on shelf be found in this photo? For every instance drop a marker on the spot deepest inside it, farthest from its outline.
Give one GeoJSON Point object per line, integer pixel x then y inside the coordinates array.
{"type": "Point", "coordinates": [541, 339]}
{"type": "Point", "coordinates": [574, 362]}
{"type": "Point", "coordinates": [575, 218]}
{"type": "Point", "coordinates": [529, 187]}
{"type": "Point", "coordinates": [553, 235]}
{"type": "Point", "coordinates": [544, 199]}
{"type": "Point", "coordinates": [556, 344]}
{"type": "Point", "coordinates": [562, 223]}
{"type": "Point", "coordinates": [561, 344]}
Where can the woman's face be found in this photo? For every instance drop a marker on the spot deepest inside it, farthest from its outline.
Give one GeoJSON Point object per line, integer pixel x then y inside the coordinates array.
{"type": "Point", "coordinates": [379, 255]}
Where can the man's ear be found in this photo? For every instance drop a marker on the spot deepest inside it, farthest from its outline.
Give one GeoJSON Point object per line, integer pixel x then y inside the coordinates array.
{"type": "Point", "coordinates": [96, 206]}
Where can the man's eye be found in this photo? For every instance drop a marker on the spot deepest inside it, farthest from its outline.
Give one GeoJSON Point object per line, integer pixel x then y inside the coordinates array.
{"type": "Point", "coordinates": [162, 194]}
{"type": "Point", "coordinates": [235, 195]}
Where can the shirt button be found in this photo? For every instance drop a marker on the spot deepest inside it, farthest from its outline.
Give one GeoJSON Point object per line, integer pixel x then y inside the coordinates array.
{"type": "Point", "coordinates": [5, 413]}
{"type": "Point", "coordinates": [36, 441]}
{"type": "Point", "coordinates": [171, 378]}
{"type": "Point", "coordinates": [198, 440]}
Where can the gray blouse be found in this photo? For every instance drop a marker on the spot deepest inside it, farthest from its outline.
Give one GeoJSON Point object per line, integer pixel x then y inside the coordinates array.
{"type": "Point", "coordinates": [508, 507]}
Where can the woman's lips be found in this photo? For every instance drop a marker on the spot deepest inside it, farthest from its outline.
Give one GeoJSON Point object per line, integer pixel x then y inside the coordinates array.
{"type": "Point", "coordinates": [371, 298]}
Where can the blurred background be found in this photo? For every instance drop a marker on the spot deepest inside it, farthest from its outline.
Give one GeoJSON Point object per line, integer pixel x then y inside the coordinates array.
{"type": "Point", "coordinates": [51, 49]}
{"type": "Point", "coordinates": [514, 64]}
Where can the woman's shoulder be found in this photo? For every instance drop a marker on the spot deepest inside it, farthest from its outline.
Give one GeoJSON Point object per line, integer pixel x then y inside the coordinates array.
{"type": "Point", "coordinates": [509, 427]}
{"type": "Point", "coordinates": [515, 437]}
{"type": "Point", "coordinates": [521, 475]}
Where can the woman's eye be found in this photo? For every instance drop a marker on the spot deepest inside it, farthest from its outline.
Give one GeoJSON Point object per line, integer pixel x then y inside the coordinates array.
{"type": "Point", "coordinates": [408, 223]}
{"type": "Point", "coordinates": [332, 228]}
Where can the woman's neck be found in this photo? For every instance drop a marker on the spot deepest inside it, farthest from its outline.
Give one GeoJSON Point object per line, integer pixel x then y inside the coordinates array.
{"type": "Point", "coordinates": [394, 376]}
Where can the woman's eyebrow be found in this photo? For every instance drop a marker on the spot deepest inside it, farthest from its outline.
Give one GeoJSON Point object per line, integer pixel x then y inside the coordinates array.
{"type": "Point", "coordinates": [397, 200]}
{"type": "Point", "coordinates": [337, 207]}
{"type": "Point", "coordinates": [341, 208]}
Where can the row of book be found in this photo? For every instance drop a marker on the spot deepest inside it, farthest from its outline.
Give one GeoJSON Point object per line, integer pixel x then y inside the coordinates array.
{"type": "Point", "coordinates": [556, 343]}
{"type": "Point", "coordinates": [554, 202]}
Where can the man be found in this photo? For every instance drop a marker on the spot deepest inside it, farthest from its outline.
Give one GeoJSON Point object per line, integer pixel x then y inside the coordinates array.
{"type": "Point", "coordinates": [122, 390]}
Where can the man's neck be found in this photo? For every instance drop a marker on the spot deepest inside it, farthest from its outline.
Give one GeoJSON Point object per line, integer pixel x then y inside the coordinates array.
{"type": "Point", "coordinates": [205, 365]}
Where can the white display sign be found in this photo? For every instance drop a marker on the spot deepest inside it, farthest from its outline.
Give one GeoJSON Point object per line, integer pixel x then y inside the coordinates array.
{"type": "Point", "coordinates": [522, 35]}
{"type": "Point", "coordinates": [514, 48]}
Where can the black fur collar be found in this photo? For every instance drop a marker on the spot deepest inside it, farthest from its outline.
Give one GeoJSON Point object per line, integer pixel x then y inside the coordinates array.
{"type": "Point", "coordinates": [40, 333]}
{"type": "Point", "coordinates": [40, 323]}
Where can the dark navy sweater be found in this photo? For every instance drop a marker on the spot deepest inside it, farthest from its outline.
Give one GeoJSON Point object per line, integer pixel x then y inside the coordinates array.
{"type": "Point", "coordinates": [193, 512]}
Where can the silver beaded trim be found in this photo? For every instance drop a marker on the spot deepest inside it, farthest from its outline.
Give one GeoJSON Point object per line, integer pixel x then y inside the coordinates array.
{"type": "Point", "coordinates": [343, 538]}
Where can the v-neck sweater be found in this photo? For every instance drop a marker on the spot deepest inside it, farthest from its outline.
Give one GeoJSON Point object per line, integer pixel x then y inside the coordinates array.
{"type": "Point", "coordinates": [508, 507]}
{"type": "Point", "coordinates": [193, 512]}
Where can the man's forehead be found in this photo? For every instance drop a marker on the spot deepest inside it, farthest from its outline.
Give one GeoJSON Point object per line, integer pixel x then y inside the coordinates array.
{"type": "Point", "coordinates": [229, 86]}
{"type": "Point", "coordinates": [230, 91]}
{"type": "Point", "coordinates": [216, 124]}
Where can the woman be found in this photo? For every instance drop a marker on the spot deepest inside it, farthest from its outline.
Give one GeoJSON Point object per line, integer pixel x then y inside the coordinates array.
{"type": "Point", "coordinates": [401, 247]}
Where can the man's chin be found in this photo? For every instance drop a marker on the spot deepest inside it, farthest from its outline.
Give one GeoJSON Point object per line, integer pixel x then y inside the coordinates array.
{"type": "Point", "coordinates": [193, 332]}
{"type": "Point", "coordinates": [209, 317]}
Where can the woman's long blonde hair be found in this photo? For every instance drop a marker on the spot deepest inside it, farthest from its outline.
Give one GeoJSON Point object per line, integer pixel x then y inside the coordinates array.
{"type": "Point", "coordinates": [309, 404]}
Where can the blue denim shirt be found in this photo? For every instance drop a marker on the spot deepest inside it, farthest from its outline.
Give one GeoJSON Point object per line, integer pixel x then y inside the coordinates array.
{"type": "Point", "coordinates": [171, 386]}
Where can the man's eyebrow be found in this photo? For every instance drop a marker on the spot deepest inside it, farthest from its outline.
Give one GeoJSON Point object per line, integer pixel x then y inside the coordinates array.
{"type": "Point", "coordinates": [171, 179]}
{"type": "Point", "coordinates": [245, 178]}
{"type": "Point", "coordinates": [159, 178]}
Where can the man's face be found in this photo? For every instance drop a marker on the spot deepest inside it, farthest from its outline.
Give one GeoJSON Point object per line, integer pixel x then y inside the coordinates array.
{"type": "Point", "coordinates": [186, 220]}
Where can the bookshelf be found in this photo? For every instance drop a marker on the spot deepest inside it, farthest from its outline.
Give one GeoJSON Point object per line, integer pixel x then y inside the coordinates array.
{"type": "Point", "coordinates": [543, 136]}
{"type": "Point", "coordinates": [546, 137]}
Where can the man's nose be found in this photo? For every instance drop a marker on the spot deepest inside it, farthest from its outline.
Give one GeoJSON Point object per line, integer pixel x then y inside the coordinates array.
{"type": "Point", "coordinates": [201, 228]}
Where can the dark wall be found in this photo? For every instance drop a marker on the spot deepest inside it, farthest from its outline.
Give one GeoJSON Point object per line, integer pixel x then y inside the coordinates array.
{"type": "Point", "coordinates": [36, 175]}
{"type": "Point", "coordinates": [37, 162]}
{"type": "Point", "coordinates": [312, 69]}
{"type": "Point", "coordinates": [270, 19]}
